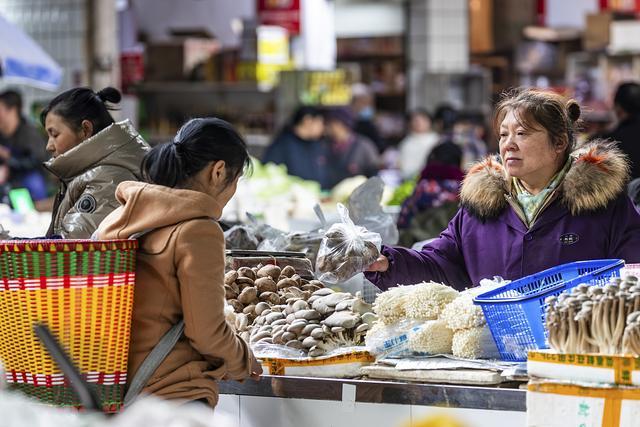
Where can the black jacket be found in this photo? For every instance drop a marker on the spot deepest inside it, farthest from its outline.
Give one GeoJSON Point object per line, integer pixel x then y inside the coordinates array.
{"type": "Point", "coordinates": [28, 150]}
{"type": "Point", "coordinates": [628, 135]}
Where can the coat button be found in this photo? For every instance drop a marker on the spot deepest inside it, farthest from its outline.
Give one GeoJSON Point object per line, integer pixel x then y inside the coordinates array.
{"type": "Point", "coordinates": [528, 237]}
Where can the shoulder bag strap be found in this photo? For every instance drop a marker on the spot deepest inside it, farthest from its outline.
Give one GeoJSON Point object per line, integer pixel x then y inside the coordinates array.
{"type": "Point", "coordinates": [153, 361]}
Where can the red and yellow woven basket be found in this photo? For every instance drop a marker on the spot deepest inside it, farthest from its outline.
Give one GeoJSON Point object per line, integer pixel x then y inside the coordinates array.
{"type": "Point", "coordinates": [83, 291]}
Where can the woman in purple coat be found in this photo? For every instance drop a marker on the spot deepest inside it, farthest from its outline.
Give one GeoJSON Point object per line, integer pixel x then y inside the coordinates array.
{"type": "Point", "coordinates": [543, 204]}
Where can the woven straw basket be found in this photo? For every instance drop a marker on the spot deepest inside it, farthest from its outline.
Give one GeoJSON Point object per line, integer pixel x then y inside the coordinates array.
{"type": "Point", "coordinates": [83, 291]}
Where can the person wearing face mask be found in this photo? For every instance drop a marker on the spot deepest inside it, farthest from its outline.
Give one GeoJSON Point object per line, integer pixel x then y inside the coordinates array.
{"type": "Point", "coordinates": [362, 106]}
{"type": "Point", "coordinates": [352, 154]}
{"type": "Point", "coordinates": [301, 147]}
{"type": "Point", "coordinates": [180, 261]}
{"type": "Point", "coordinates": [543, 204]}
{"type": "Point", "coordinates": [91, 155]}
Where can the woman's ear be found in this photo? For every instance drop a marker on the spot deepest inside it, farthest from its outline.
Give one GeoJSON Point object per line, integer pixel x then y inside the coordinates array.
{"type": "Point", "coordinates": [218, 172]}
{"type": "Point", "coordinates": [86, 129]}
{"type": "Point", "coordinates": [562, 146]}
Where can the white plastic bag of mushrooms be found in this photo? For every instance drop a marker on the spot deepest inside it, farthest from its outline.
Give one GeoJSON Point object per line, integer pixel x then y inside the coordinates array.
{"type": "Point", "coordinates": [283, 316]}
{"type": "Point", "coordinates": [346, 250]}
{"type": "Point", "coordinates": [596, 320]}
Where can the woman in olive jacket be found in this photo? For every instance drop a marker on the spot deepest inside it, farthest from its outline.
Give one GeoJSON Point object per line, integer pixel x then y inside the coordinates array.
{"type": "Point", "coordinates": [91, 155]}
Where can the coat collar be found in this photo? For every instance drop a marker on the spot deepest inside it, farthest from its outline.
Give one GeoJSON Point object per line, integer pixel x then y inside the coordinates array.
{"type": "Point", "coordinates": [94, 150]}
{"type": "Point", "coordinates": [599, 174]}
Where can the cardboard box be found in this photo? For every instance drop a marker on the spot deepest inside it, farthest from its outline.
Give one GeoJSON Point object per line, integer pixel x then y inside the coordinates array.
{"type": "Point", "coordinates": [597, 34]}
{"type": "Point", "coordinates": [554, 404]}
{"type": "Point", "coordinates": [592, 368]}
{"type": "Point", "coordinates": [174, 60]}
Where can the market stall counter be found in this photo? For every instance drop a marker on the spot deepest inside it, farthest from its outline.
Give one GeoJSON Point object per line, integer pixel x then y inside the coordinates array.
{"type": "Point", "coordinates": [306, 401]}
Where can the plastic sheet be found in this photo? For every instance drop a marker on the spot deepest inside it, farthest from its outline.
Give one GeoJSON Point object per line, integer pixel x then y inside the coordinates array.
{"type": "Point", "coordinates": [241, 237]}
{"type": "Point", "coordinates": [366, 211]}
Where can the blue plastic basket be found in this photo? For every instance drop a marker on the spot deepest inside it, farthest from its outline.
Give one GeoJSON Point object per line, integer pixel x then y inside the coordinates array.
{"type": "Point", "coordinates": [516, 312]}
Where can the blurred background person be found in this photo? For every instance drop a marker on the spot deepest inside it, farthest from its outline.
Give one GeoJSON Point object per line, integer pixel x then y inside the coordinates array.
{"type": "Point", "coordinates": [301, 147]}
{"type": "Point", "coordinates": [626, 105]}
{"type": "Point", "coordinates": [469, 131]}
{"type": "Point", "coordinates": [444, 118]}
{"type": "Point", "coordinates": [351, 153]}
{"type": "Point", "coordinates": [435, 199]}
{"type": "Point", "coordinates": [22, 147]}
{"type": "Point", "coordinates": [417, 145]}
{"type": "Point", "coordinates": [363, 107]}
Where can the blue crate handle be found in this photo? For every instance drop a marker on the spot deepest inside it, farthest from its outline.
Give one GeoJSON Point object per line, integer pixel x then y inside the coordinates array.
{"type": "Point", "coordinates": [483, 298]}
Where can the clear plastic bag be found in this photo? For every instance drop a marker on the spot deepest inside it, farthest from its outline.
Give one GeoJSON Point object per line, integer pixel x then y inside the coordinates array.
{"type": "Point", "coordinates": [346, 250]}
{"type": "Point", "coordinates": [241, 237]}
{"type": "Point", "coordinates": [366, 211]}
{"type": "Point", "coordinates": [392, 340]}
{"type": "Point", "coordinates": [305, 242]}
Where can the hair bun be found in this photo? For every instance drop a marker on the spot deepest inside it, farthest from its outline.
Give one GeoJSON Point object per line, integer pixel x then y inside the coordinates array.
{"type": "Point", "coordinates": [109, 94]}
{"type": "Point", "coordinates": [573, 110]}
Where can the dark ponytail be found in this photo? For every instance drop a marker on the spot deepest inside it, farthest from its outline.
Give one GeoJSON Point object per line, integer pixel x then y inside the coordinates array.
{"type": "Point", "coordinates": [82, 103]}
{"type": "Point", "coordinates": [198, 143]}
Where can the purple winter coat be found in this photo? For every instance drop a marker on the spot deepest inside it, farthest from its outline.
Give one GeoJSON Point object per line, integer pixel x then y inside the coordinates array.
{"type": "Point", "coordinates": [590, 217]}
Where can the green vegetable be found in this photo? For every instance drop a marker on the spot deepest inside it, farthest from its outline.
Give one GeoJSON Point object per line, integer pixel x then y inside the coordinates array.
{"type": "Point", "coordinates": [403, 192]}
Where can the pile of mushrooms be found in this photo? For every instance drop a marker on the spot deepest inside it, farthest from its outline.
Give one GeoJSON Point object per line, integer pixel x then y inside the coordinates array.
{"type": "Point", "coordinates": [631, 337]}
{"type": "Point", "coordinates": [592, 319]}
{"type": "Point", "coordinates": [320, 323]}
{"type": "Point", "coordinates": [246, 288]}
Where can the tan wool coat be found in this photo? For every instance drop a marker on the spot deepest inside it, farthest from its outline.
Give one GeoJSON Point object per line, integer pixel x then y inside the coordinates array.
{"type": "Point", "coordinates": [179, 275]}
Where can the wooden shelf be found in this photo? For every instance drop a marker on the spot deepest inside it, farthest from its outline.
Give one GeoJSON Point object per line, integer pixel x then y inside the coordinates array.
{"type": "Point", "coordinates": [198, 87]}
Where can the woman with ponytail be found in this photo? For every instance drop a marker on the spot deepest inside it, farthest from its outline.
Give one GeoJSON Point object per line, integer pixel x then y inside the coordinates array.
{"type": "Point", "coordinates": [542, 203]}
{"type": "Point", "coordinates": [180, 264]}
{"type": "Point", "coordinates": [91, 155]}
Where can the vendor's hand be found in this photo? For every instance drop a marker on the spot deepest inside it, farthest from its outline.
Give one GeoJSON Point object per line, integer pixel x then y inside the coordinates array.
{"type": "Point", "coordinates": [381, 264]}
{"type": "Point", "coordinates": [256, 369]}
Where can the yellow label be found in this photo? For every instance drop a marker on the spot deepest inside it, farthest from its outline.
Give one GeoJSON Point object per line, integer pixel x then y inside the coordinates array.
{"type": "Point", "coordinates": [613, 397]}
{"type": "Point", "coordinates": [278, 366]}
{"type": "Point", "coordinates": [623, 366]}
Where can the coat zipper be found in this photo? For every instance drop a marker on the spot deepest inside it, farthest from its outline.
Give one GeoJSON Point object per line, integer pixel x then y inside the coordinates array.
{"type": "Point", "coordinates": [546, 204]}
{"type": "Point", "coordinates": [517, 208]}
{"type": "Point", "coordinates": [56, 206]}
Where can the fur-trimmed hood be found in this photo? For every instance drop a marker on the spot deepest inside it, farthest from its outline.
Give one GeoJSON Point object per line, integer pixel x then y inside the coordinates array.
{"type": "Point", "coordinates": [599, 174]}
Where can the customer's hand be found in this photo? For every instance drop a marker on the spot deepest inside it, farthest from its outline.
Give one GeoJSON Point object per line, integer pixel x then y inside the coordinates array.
{"type": "Point", "coordinates": [381, 264]}
{"type": "Point", "coordinates": [256, 369]}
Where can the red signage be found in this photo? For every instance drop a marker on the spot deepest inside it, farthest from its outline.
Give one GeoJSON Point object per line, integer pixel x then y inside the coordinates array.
{"type": "Point", "coordinates": [283, 13]}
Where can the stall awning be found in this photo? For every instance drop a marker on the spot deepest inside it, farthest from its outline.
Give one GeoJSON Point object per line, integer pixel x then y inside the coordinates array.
{"type": "Point", "coordinates": [22, 60]}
